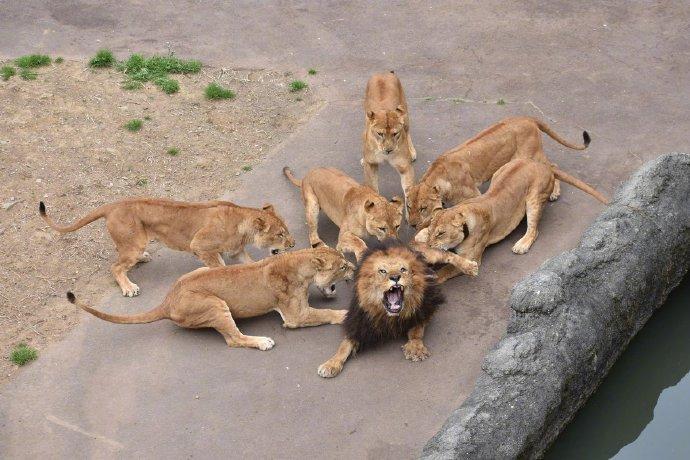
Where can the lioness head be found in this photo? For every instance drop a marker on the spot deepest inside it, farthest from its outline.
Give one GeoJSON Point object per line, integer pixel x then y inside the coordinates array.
{"type": "Point", "coordinates": [391, 281]}
{"type": "Point", "coordinates": [383, 218]}
{"type": "Point", "coordinates": [271, 232]}
{"type": "Point", "coordinates": [448, 228]}
{"type": "Point", "coordinates": [423, 201]}
{"type": "Point", "coordinates": [386, 129]}
{"type": "Point", "coordinates": [331, 267]}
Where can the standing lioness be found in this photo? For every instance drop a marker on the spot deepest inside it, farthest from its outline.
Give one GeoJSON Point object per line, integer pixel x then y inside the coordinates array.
{"type": "Point", "coordinates": [215, 297]}
{"type": "Point", "coordinates": [356, 209]}
{"type": "Point", "coordinates": [456, 174]}
{"type": "Point", "coordinates": [387, 130]}
{"type": "Point", "coordinates": [207, 229]}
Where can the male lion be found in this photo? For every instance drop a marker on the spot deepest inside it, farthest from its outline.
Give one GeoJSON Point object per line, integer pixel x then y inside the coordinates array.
{"type": "Point", "coordinates": [455, 175]}
{"type": "Point", "coordinates": [207, 229]}
{"type": "Point", "coordinates": [215, 297]}
{"type": "Point", "coordinates": [519, 187]}
{"type": "Point", "coordinates": [387, 130]}
{"type": "Point", "coordinates": [395, 294]}
{"type": "Point", "coordinates": [356, 209]}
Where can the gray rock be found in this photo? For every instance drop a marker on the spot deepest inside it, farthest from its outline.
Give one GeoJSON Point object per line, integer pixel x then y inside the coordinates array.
{"type": "Point", "coordinates": [573, 317]}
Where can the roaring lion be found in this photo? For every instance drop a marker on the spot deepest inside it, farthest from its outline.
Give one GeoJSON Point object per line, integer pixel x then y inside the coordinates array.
{"type": "Point", "coordinates": [387, 130]}
{"type": "Point", "coordinates": [215, 297]}
{"type": "Point", "coordinates": [456, 175]}
{"type": "Point", "coordinates": [395, 295]}
{"type": "Point", "coordinates": [207, 229]}
{"type": "Point", "coordinates": [356, 209]}
{"type": "Point", "coordinates": [519, 187]}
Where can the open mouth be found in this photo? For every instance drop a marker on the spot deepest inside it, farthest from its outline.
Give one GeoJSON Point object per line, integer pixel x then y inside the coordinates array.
{"type": "Point", "coordinates": [393, 300]}
{"type": "Point", "coordinates": [329, 292]}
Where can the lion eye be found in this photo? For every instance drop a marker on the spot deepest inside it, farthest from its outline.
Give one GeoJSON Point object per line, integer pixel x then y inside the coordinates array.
{"type": "Point", "coordinates": [383, 229]}
{"type": "Point", "coordinates": [379, 134]}
{"type": "Point", "coordinates": [440, 234]}
{"type": "Point", "coordinates": [397, 227]}
{"type": "Point", "coordinates": [422, 209]}
{"type": "Point", "coordinates": [382, 271]}
{"type": "Point", "coordinates": [403, 270]}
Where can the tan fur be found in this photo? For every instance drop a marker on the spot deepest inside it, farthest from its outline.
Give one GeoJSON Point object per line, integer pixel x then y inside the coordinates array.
{"type": "Point", "coordinates": [207, 229]}
{"type": "Point", "coordinates": [456, 175]}
{"type": "Point", "coordinates": [387, 130]}
{"type": "Point", "coordinates": [519, 187]}
{"type": "Point", "coordinates": [215, 297]}
{"type": "Point", "coordinates": [357, 210]}
{"type": "Point", "coordinates": [373, 280]}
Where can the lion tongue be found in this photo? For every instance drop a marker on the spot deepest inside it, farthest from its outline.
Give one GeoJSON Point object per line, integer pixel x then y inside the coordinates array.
{"type": "Point", "coordinates": [394, 298]}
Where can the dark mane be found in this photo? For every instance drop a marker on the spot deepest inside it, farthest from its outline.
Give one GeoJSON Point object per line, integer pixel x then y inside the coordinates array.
{"type": "Point", "coordinates": [360, 326]}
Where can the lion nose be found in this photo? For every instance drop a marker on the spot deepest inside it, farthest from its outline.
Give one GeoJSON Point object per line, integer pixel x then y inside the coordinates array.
{"type": "Point", "coordinates": [394, 278]}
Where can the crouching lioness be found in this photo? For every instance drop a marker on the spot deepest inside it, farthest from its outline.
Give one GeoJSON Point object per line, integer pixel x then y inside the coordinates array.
{"type": "Point", "coordinates": [455, 175]}
{"type": "Point", "coordinates": [358, 210]}
{"type": "Point", "coordinates": [207, 229]}
{"type": "Point", "coordinates": [520, 187]}
{"type": "Point", "coordinates": [215, 297]}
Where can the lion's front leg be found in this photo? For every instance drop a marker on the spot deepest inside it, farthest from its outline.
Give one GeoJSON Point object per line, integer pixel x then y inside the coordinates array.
{"type": "Point", "coordinates": [349, 242]}
{"type": "Point", "coordinates": [334, 366]}
{"type": "Point", "coordinates": [414, 349]}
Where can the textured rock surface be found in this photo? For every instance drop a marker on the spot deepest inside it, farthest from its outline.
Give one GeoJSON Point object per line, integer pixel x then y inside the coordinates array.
{"type": "Point", "coordinates": [573, 317]}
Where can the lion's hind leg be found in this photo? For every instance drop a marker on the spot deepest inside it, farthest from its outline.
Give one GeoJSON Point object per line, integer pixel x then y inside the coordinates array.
{"type": "Point", "coordinates": [334, 366]}
{"type": "Point", "coordinates": [535, 207]}
{"type": "Point", "coordinates": [211, 311]}
{"type": "Point", "coordinates": [130, 239]}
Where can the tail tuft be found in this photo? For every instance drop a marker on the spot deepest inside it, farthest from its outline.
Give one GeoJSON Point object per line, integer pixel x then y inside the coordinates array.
{"type": "Point", "coordinates": [392, 71]}
{"type": "Point", "coordinates": [70, 297]}
{"type": "Point", "coordinates": [42, 208]}
{"type": "Point", "coordinates": [286, 170]}
{"type": "Point", "coordinates": [586, 138]}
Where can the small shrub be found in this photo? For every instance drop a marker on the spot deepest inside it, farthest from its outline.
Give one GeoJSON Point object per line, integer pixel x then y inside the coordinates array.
{"type": "Point", "coordinates": [32, 60]}
{"type": "Point", "coordinates": [134, 125]}
{"type": "Point", "coordinates": [501, 102]}
{"type": "Point", "coordinates": [297, 85]}
{"type": "Point", "coordinates": [147, 118]}
{"type": "Point", "coordinates": [59, 60]}
{"type": "Point", "coordinates": [7, 72]}
{"type": "Point", "coordinates": [168, 85]}
{"type": "Point", "coordinates": [142, 182]}
{"type": "Point", "coordinates": [173, 152]}
{"type": "Point", "coordinates": [312, 72]}
{"type": "Point", "coordinates": [246, 168]}
{"type": "Point", "coordinates": [215, 91]}
{"type": "Point", "coordinates": [103, 58]}
{"type": "Point", "coordinates": [131, 85]}
{"type": "Point", "coordinates": [28, 74]}
{"type": "Point", "coordinates": [23, 354]}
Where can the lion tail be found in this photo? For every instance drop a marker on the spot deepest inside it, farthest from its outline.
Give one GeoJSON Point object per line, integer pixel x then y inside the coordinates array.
{"type": "Point", "coordinates": [543, 127]}
{"type": "Point", "coordinates": [148, 317]}
{"type": "Point", "coordinates": [585, 187]}
{"type": "Point", "coordinates": [96, 214]}
{"type": "Point", "coordinates": [288, 173]}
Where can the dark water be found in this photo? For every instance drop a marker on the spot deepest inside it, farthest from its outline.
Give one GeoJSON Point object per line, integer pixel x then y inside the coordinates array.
{"type": "Point", "coordinates": [642, 409]}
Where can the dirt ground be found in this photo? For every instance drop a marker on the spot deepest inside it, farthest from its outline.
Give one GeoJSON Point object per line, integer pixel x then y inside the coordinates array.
{"type": "Point", "coordinates": [62, 141]}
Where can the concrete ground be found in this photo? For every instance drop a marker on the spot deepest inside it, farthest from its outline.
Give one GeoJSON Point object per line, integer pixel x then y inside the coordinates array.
{"type": "Point", "coordinates": [620, 71]}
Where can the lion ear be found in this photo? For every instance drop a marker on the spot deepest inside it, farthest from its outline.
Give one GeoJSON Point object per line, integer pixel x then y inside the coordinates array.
{"type": "Point", "coordinates": [400, 109]}
{"type": "Point", "coordinates": [458, 220]}
{"type": "Point", "coordinates": [260, 224]}
{"type": "Point", "coordinates": [370, 114]}
{"type": "Point", "coordinates": [319, 262]}
{"type": "Point", "coordinates": [398, 201]}
{"type": "Point", "coordinates": [436, 189]}
{"type": "Point", "coordinates": [268, 207]}
{"type": "Point", "coordinates": [369, 205]}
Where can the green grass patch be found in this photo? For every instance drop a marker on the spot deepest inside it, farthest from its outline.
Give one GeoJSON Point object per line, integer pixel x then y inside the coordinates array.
{"type": "Point", "coordinates": [215, 91]}
{"type": "Point", "coordinates": [134, 125]}
{"type": "Point", "coordinates": [297, 85]}
{"type": "Point", "coordinates": [500, 102]}
{"type": "Point", "coordinates": [168, 85]}
{"type": "Point", "coordinates": [131, 85]}
{"type": "Point", "coordinates": [103, 58]}
{"type": "Point", "coordinates": [32, 60]}
{"type": "Point", "coordinates": [7, 72]}
{"type": "Point", "coordinates": [312, 72]}
{"type": "Point", "coordinates": [23, 354]}
{"type": "Point", "coordinates": [59, 60]}
{"type": "Point", "coordinates": [173, 152]}
{"type": "Point", "coordinates": [246, 168]}
{"type": "Point", "coordinates": [28, 74]}
{"type": "Point", "coordinates": [142, 182]}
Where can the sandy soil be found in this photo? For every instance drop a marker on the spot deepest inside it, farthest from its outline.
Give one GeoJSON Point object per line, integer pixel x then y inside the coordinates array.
{"type": "Point", "coordinates": [62, 141]}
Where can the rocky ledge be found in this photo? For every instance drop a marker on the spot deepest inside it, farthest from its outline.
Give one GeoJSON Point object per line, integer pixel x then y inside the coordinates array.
{"type": "Point", "coordinates": [572, 318]}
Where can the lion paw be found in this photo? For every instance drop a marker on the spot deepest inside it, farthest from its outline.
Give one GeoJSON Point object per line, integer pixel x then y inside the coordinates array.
{"type": "Point", "coordinates": [130, 291]}
{"type": "Point", "coordinates": [145, 257]}
{"type": "Point", "coordinates": [415, 351]}
{"type": "Point", "coordinates": [328, 370]}
{"type": "Point", "coordinates": [521, 247]}
{"type": "Point", "coordinates": [472, 268]}
{"type": "Point", "coordinates": [554, 196]}
{"type": "Point", "coordinates": [264, 343]}
{"type": "Point", "coordinates": [340, 316]}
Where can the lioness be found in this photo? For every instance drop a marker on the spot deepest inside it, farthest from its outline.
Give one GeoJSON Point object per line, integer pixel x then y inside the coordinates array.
{"type": "Point", "coordinates": [395, 294]}
{"type": "Point", "coordinates": [356, 209]}
{"type": "Point", "coordinates": [455, 175]}
{"type": "Point", "coordinates": [215, 297]}
{"type": "Point", "coordinates": [387, 130]}
{"type": "Point", "coordinates": [207, 229]}
{"type": "Point", "coordinates": [519, 187]}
